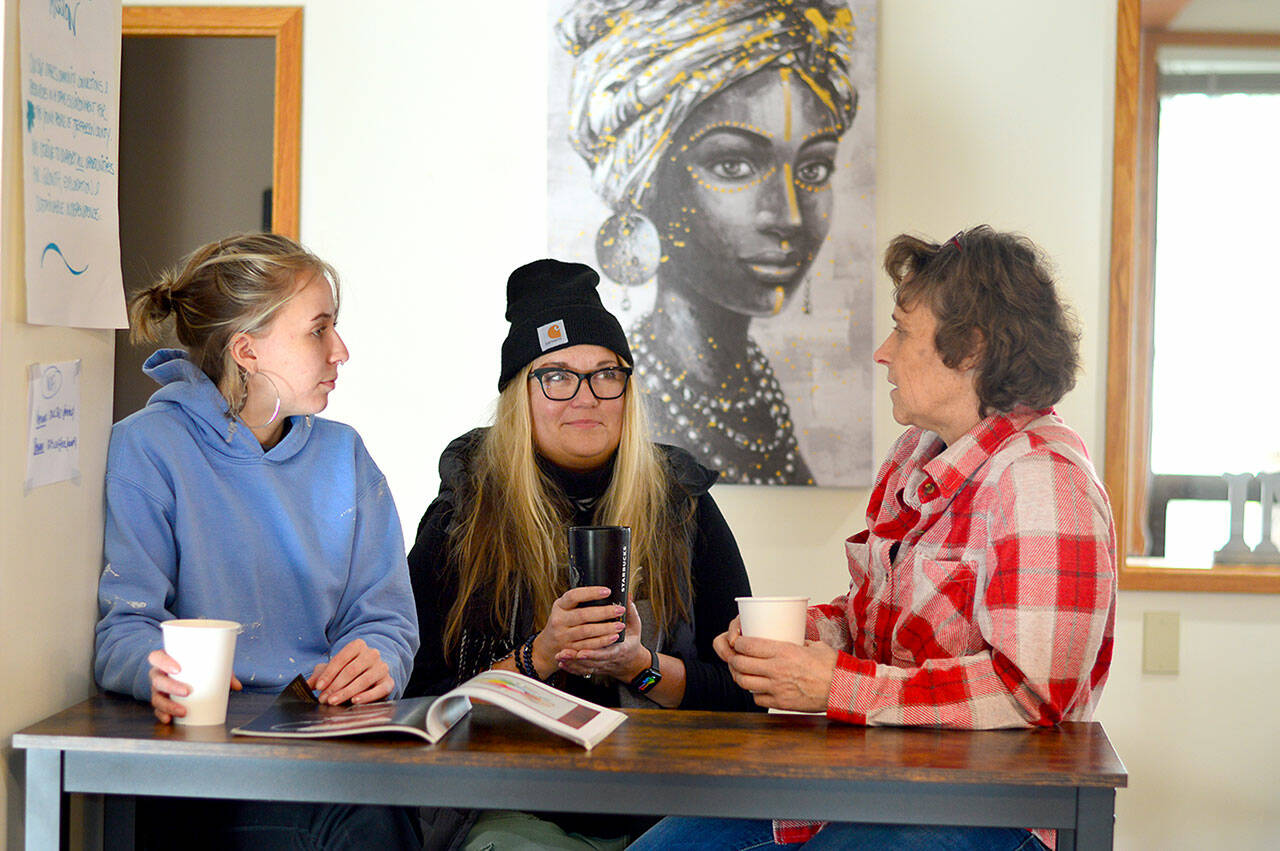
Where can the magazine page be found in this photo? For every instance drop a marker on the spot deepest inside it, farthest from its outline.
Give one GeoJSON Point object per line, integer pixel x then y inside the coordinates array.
{"type": "Point", "coordinates": [563, 714]}
{"type": "Point", "coordinates": [297, 714]}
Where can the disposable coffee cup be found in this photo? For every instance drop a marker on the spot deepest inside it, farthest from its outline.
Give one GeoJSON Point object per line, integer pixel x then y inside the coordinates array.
{"type": "Point", "coordinates": [778, 618]}
{"type": "Point", "coordinates": [204, 650]}
{"type": "Point", "coordinates": [601, 555]}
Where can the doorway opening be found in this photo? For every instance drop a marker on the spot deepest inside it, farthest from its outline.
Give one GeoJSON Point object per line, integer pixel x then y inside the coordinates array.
{"type": "Point", "coordinates": [209, 142]}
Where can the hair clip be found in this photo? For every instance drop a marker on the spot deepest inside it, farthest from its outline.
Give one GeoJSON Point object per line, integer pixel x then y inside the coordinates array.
{"type": "Point", "coordinates": [955, 240]}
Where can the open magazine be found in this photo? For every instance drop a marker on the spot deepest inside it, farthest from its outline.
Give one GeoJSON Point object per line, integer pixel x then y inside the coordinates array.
{"type": "Point", "coordinates": [297, 714]}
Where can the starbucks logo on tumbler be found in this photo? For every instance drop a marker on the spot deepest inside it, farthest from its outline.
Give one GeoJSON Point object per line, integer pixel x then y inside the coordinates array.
{"type": "Point", "coordinates": [626, 566]}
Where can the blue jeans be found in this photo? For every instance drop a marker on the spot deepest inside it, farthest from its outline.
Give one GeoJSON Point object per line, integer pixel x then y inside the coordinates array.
{"type": "Point", "coordinates": [714, 834]}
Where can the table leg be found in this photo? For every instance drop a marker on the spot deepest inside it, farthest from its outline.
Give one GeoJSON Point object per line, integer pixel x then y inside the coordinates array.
{"type": "Point", "coordinates": [1095, 821]}
{"type": "Point", "coordinates": [46, 816]}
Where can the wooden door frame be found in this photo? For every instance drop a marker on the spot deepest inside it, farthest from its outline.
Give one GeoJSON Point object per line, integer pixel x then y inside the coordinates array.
{"type": "Point", "coordinates": [282, 23]}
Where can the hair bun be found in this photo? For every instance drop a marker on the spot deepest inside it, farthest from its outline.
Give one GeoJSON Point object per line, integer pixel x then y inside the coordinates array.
{"type": "Point", "coordinates": [163, 297]}
{"type": "Point", "coordinates": [160, 295]}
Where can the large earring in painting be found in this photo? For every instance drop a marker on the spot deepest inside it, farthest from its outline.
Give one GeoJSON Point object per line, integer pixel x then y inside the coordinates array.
{"type": "Point", "coordinates": [276, 412]}
{"type": "Point", "coordinates": [808, 295]}
{"type": "Point", "coordinates": [628, 250]}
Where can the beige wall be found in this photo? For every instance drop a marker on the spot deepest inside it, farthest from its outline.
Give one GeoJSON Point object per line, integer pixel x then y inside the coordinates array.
{"type": "Point", "coordinates": [52, 537]}
{"type": "Point", "coordinates": [423, 182]}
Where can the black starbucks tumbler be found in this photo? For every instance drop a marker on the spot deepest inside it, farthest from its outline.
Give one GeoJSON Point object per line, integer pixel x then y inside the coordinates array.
{"type": "Point", "coordinates": [601, 555]}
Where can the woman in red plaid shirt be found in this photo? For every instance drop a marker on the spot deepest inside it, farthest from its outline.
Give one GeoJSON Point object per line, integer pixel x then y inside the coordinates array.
{"type": "Point", "coordinates": [982, 592]}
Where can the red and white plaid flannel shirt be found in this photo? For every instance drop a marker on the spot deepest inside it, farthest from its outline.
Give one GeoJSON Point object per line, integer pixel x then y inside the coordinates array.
{"type": "Point", "coordinates": [983, 593]}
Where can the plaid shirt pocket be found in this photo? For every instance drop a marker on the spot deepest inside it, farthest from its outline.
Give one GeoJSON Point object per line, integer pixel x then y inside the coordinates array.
{"type": "Point", "coordinates": [938, 621]}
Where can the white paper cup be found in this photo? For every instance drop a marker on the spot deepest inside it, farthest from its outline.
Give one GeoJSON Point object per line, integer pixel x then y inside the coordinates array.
{"type": "Point", "coordinates": [779, 618]}
{"type": "Point", "coordinates": [204, 649]}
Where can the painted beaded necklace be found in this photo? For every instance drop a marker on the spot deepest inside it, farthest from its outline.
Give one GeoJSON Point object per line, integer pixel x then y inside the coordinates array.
{"type": "Point", "coordinates": [744, 429]}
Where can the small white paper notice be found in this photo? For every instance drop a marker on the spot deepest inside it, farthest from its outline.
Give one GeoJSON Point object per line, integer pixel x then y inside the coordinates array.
{"type": "Point", "coordinates": [53, 423]}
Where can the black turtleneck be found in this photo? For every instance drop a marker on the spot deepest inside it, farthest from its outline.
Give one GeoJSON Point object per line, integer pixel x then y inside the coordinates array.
{"type": "Point", "coordinates": [582, 487]}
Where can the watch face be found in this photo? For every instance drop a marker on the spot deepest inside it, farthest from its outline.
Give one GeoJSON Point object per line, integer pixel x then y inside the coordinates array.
{"type": "Point", "coordinates": [646, 680]}
{"type": "Point", "coordinates": [649, 677]}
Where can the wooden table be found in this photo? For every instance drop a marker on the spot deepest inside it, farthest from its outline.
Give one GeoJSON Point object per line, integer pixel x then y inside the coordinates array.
{"type": "Point", "coordinates": [658, 762]}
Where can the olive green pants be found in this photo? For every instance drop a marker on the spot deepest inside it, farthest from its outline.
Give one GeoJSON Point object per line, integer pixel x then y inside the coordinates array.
{"type": "Point", "coordinates": [505, 830]}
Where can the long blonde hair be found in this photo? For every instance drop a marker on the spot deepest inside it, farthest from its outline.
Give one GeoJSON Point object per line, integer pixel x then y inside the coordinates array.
{"type": "Point", "coordinates": [221, 289]}
{"type": "Point", "coordinates": [509, 541]}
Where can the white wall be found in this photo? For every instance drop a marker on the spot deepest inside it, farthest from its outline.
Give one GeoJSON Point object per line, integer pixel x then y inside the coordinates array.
{"type": "Point", "coordinates": [1202, 746]}
{"type": "Point", "coordinates": [423, 182]}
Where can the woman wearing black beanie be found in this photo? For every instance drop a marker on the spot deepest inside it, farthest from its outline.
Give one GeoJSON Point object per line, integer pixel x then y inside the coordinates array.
{"type": "Point", "coordinates": [569, 446]}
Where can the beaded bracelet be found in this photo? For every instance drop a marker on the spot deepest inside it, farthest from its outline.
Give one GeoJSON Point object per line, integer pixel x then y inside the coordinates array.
{"type": "Point", "coordinates": [524, 659]}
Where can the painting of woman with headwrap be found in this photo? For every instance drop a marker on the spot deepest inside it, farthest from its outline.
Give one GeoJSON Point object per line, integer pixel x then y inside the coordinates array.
{"type": "Point", "coordinates": [710, 147]}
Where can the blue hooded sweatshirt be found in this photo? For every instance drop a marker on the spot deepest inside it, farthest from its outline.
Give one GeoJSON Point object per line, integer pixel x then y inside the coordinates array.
{"type": "Point", "coordinates": [300, 544]}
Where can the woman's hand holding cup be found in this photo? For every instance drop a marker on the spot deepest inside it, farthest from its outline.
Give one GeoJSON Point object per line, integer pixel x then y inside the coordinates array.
{"type": "Point", "coordinates": [620, 660]}
{"type": "Point", "coordinates": [573, 626]}
{"type": "Point", "coordinates": [164, 687]}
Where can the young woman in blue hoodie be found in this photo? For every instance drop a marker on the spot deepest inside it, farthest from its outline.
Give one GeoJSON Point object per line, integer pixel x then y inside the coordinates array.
{"type": "Point", "coordinates": [227, 497]}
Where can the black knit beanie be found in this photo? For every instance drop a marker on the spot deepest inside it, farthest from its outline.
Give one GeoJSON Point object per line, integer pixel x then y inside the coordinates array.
{"type": "Point", "coordinates": [551, 305]}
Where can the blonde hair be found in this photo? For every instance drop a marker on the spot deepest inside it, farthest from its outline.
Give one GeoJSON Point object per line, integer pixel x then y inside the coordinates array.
{"type": "Point", "coordinates": [232, 286]}
{"type": "Point", "coordinates": [510, 542]}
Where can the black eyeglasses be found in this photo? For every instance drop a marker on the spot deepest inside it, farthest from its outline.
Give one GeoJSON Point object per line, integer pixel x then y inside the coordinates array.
{"type": "Point", "coordinates": [561, 385]}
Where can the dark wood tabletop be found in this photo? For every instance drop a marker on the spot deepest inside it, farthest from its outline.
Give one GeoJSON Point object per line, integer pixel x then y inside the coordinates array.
{"type": "Point", "coordinates": [659, 762]}
{"type": "Point", "coordinates": [656, 741]}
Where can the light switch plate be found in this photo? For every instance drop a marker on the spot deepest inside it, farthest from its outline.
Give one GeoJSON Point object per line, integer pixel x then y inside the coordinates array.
{"type": "Point", "coordinates": [1160, 642]}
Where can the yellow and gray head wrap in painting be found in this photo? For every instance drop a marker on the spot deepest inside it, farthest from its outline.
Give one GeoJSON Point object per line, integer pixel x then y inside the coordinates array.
{"type": "Point", "coordinates": [642, 65]}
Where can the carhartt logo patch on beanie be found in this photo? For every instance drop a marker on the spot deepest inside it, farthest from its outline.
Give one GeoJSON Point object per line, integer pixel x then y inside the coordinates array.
{"type": "Point", "coordinates": [552, 335]}
{"type": "Point", "coordinates": [550, 305]}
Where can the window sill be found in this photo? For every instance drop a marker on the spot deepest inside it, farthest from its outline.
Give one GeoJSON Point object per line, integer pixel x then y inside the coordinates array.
{"type": "Point", "coordinates": [1149, 574]}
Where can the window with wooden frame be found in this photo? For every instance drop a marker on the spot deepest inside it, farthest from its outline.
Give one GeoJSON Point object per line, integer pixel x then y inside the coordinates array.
{"type": "Point", "coordinates": [1193, 304]}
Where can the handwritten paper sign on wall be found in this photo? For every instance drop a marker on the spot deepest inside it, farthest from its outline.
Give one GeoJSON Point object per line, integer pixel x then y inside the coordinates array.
{"type": "Point", "coordinates": [53, 423]}
{"type": "Point", "coordinates": [70, 53]}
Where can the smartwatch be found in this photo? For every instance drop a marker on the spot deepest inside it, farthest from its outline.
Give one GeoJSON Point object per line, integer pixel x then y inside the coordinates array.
{"type": "Point", "coordinates": [648, 678]}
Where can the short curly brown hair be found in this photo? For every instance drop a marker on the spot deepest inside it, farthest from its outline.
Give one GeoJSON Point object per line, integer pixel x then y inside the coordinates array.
{"type": "Point", "coordinates": [993, 298]}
